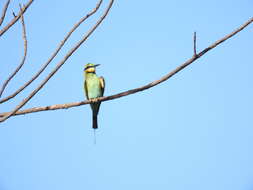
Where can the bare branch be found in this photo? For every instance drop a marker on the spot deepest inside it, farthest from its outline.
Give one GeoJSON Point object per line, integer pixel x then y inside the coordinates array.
{"type": "Point", "coordinates": [53, 55]}
{"type": "Point", "coordinates": [4, 11]}
{"type": "Point", "coordinates": [135, 90]}
{"type": "Point", "coordinates": [24, 56]}
{"type": "Point", "coordinates": [58, 66]}
{"type": "Point", "coordinates": [15, 19]}
{"type": "Point", "coordinates": [194, 45]}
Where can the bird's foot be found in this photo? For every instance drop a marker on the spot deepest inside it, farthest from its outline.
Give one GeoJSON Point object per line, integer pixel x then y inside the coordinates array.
{"type": "Point", "coordinates": [94, 100]}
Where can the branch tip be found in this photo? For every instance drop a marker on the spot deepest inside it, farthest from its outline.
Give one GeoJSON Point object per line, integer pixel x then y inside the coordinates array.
{"type": "Point", "coordinates": [16, 18]}
{"type": "Point", "coordinates": [194, 45]}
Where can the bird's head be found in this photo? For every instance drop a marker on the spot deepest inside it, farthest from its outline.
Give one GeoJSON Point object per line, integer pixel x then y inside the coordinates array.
{"type": "Point", "coordinates": [90, 68]}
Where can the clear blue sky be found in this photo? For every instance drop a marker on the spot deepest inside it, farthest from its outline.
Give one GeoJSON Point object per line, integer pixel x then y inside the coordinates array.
{"type": "Point", "coordinates": [194, 131]}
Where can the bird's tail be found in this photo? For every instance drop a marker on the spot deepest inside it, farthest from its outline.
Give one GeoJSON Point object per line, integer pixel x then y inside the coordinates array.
{"type": "Point", "coordinates": [95, 121]}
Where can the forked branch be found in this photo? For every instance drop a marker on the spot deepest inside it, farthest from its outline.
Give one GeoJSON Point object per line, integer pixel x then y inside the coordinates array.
{"type": "Point", "coordinates": [135, 90]}
{"type": "Point", "coordinates": [24, 56]}
{"type": "Point", "coordinates": [15, 19]}
{"type": "Point", "coordinates": [53, 55]}
{"type": "Point", "coordinates": [58, 66]}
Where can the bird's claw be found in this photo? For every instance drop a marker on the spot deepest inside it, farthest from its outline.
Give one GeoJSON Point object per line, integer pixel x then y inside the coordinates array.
{"type": "Point", "coordinates": [94, 100]}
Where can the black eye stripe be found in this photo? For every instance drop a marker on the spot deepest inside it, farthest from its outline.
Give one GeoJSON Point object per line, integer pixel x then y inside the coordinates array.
{"type": "Point", "coordinates": [88, 67]}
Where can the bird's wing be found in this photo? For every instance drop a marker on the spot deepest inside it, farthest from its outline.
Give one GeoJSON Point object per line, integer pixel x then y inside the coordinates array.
{"type": "Point", "coordinates": [86, 89]}
{"type": "Point", "coordinates": [102, 84]}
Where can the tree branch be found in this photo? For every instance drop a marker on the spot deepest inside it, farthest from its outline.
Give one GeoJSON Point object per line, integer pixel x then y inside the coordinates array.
{"type": "Point", "coordinates": [15, 19]}
{"type": "Point", "coordinates": [24, 56]}
{"type": "Point", "coordinates": [135, 90]}
{"type": "Point", "coordinates": [4, 11]}
{"type": "Point", "coordinates": [58, 66]}
{"type": "Point", "coordinates": [53, 55]}
{"type": "Point", "coordinates": [194, 45]}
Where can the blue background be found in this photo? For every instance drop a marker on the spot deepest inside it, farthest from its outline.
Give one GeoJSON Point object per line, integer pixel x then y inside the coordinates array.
{"type": "Point", "coordinates": [194, 131]}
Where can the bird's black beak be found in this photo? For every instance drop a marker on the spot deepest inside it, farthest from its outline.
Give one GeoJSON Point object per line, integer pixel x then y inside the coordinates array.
{"type": "Point", "coordinates": [91, 66]}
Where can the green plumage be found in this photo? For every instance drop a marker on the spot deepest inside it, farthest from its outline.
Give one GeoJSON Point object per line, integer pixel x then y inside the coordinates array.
{"type": "Point", "coordinates": [94, 88]}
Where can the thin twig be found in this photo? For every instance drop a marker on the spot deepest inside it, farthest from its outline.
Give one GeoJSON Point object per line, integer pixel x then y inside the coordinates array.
{"type": "Point", "coordinates": [194, 45]}
{"type": "Point", "coordinates": [58, 66]}
{"type": "Point", "coordinates": [126, 93]}
{"type": "Point", "coordinates": [24, 56]}
{"type": "Point", "coordinates": [4, 11]}
{"type": "Point", "coordinates": [15, 19]}
{"type": "Point", "coordinates": [53, 55]}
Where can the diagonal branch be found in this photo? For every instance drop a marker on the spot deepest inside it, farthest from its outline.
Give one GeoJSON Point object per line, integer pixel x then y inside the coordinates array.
{"type": "Point", "coordinates": [135, 90]}
{"type": "Point", "coordinates": [24, 56]}
{"type": "Point", "coordinates": [53, 55]}
{"type": "Point", "coordinates": [58, 66]}
{"type": "Point", "coordinates": [15, 19]}
{"type": "Point", "coordinates": [4, 11]}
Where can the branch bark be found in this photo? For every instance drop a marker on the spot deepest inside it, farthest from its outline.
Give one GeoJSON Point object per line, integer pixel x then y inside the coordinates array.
{"type": "Point", "coordinates": [15, 19]}
{"type": "Point", "coordinates": [4, 11]}
{"type": "Point", "coordinates": [135, 90]}
{"type": "Point", "coordinates": [24, 56]}
{"type": "Point", "coordinates": [53, 55]}
{"type": "Point", "coordinates": [58, 66]}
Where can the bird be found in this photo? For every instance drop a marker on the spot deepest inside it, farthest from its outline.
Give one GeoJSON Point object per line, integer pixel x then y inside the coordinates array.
{"type": "Point", "coordinates": [94, 87]}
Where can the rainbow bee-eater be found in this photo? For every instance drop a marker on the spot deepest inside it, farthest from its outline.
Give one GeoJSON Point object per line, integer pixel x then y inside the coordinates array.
{"type": "Point", "coordinates": [94, 87]}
